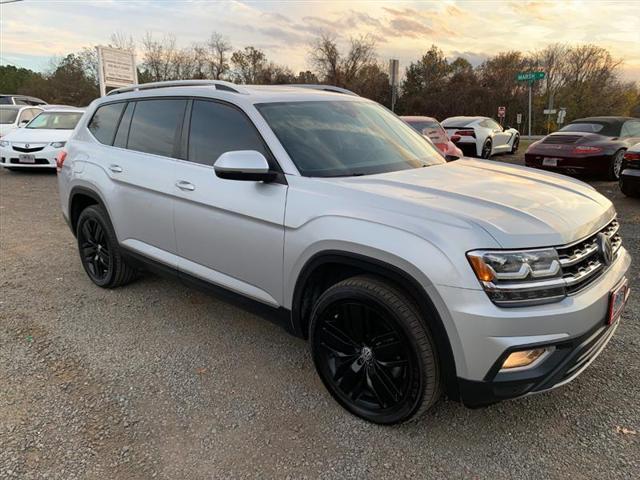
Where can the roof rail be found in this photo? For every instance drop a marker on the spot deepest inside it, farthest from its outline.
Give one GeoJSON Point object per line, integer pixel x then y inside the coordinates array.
{"type": "Point", "coordinates": [219, 84]}
{"type": "Point", "coordinates": [327, 88]}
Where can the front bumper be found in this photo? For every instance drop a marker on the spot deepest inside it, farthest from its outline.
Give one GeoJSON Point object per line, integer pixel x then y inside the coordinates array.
{"type": "Point", "coordinates": [482, 335]}
{"type": "Point", "coordinates": [45, 158]}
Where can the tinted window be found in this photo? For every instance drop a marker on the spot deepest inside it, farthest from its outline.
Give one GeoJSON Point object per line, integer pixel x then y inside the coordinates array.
{"type": "Point", "coordinates": [155, 126]}
{"type": "Point", "coordinates": [343, 138]}
{"type": "Point", "coordinates": [123, 128]}
{"type": "Point", "coordinates": [217, 128]}
{"type": "Point", "coordinates": [8, 115]}
{"type": "Point", "coordinates": [583, 127]}
{"type": "Point", "coordinates": [105, 121]}
{"type": "Point", "coordinates": [6, 101]}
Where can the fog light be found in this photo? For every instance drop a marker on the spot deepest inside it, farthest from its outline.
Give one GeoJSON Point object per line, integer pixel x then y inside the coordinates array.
{"type": "Point", "coordinates": [523, 358]}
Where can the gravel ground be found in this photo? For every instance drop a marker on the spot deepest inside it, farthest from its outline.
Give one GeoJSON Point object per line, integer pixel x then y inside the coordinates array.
{"type": "Point", "coordinates": [156, 380]}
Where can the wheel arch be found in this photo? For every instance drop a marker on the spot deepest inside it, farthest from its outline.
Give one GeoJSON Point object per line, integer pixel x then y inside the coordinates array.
{"type": "Point", "coordinates": [328, 267]}
{"type": "Point", "coordinates": [79, 199]}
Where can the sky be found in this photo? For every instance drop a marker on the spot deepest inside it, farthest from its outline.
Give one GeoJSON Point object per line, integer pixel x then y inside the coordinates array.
{"type": "Point", "coordinates": [34, 31]}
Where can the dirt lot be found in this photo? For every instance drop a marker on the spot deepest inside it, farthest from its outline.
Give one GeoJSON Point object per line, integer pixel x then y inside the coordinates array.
{"type": "Point", "coordinates": [159, 381]}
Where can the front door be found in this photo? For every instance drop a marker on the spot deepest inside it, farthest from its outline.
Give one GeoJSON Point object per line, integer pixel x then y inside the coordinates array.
{"type": "Point", "coordinates": [229, 232]}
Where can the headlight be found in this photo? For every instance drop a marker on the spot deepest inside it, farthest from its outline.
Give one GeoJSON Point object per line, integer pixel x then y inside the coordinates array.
{"type": "Point", "coordinates": [58, 144]}
{"type": "Point", "coordinates": [517, 278]}
{"type": "Point", "coordinates": [4, 143]}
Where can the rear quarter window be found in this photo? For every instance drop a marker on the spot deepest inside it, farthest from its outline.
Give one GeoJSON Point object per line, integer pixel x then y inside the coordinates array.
{"type": "Point", "coordinates": [156, 126]}
{"type": "Point", "coordinates": [104, 122]}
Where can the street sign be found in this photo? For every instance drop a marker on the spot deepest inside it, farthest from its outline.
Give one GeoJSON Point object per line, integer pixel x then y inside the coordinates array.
{"type": "Point", "coordinates": [116, 68]}
{"type": "Point", "coordinates": [519, 118]}
{"type": "Point", "coordinates": [529, 76]}
{"type": "Point", "coordinates": [502, 111]}
{"type": "Point", "coordinates": [549, 111]}
{"type": "Point", "coordinates": [561, 114]}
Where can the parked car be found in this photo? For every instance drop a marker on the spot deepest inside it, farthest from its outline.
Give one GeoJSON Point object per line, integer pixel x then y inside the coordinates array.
{"type": "Point", "coordinates": [593, 145]}
{"type": "Point", "coordinates": [429, 127]}
{"type": "Point", "coordinates": [630, 174]}
{"type": "Point", "coordinates": [481, 136]}
{"type": "Point", "coordinates": [14, 116]}
{"type": "Point", "coordinates": [408, 274]}
{"type": "Point", "coordinates": [20, 100]}
{"type": "Point", "coordinates": [40, 141]}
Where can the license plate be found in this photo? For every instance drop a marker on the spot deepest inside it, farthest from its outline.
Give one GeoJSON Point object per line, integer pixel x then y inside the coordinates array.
{"type": "Point", "coordinates": [26, 158]}
{"type": "Point", "coordinates": [550, 162]}
{"type": "Point", "coordinates": [617, 300]}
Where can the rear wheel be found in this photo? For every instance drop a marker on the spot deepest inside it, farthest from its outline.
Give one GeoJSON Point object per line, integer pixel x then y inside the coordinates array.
{"type": "Point", "coordinates": [615, 167]}
{"type": "Point", "coordinates": [516, 144]}
{"type": "Point", "coordinates": [99, 251]}
{"type": "Point", "coordinates": [373, 352]}
{"type": "Point", "coordinates": [486, 150]}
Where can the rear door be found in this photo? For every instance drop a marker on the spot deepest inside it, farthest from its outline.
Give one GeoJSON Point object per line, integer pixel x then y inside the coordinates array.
{"type": "Point", "coordinates": [230, 233]}
{"type": "Point", "coordinates": [141, 167]}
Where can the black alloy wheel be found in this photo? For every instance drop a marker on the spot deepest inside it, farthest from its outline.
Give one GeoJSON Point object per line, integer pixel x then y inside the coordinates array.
{"type": "Point", "coordinates": [372, 352]}
{"type": "Point", "coordinates": [516, 144]}
{"type": "Point", "coordinates": [616, 165]}
{"type": "Point", "coordinates": [99, 251]}
{"type": "Point", "coordinates": [486, 150]}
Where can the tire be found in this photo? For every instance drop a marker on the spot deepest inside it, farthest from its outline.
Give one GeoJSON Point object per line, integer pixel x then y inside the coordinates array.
{"type": "Point", "coordinates": [486, 150]}
{"type": "Point", "coordinates": [373, 352]}
{"type": "Point", "coordinates": [99, 250]}
{"type": "Point", "coordinates": [615, 165]}
{"type": "Point", "coordinates": [516, 144]}
{"type": "Point", "coordinates": [628, 191]}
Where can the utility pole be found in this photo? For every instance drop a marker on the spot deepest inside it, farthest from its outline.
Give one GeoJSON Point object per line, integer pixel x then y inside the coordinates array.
{"type": "Point", "coordinates": [529, 77]}
{"type": "Point", "coordinates": [394, 74]}
{"type": "Point", "coordinates": [529, 116]}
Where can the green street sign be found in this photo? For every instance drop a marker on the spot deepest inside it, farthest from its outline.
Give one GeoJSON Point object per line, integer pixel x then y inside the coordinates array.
{"type": "Point", "coordinates": [529, 76]}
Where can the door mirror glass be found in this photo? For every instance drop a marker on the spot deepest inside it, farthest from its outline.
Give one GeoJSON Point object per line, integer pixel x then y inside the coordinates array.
{"type": "Point", "coordinates": [248, 165]}
{"type": "Point", "coordinates": [23, 123]}
{"type": "Point", "coordinates": [451, 158]}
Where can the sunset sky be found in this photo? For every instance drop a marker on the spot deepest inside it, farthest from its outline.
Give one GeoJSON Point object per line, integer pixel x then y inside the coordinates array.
{"type": "Point", "coordinates": [33, 31]}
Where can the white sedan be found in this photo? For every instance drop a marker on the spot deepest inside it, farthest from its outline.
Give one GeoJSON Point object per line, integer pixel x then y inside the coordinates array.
{"type": "Point", "coordinates": [37, 144]}
{"type": "Point", "coordinates": [481, 136]}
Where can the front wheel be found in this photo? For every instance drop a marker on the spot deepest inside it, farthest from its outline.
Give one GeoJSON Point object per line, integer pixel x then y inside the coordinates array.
{"type": "Point", "coordinates": [373, 352]}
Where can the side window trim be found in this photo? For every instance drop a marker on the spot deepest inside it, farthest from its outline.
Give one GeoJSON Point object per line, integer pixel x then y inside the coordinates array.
{"type": "Point", "coordinates": [186, 131]}
{"type": "Point", "coordinates": [88, 124]}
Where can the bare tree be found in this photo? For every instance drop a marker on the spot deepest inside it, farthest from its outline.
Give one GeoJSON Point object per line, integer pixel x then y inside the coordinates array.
{"type": "Point", "coordinates": [218, 56]}
{"type": "Point", "coordinates": [248, 64]}
{"type": "Point", "coordinates": [325, 58]}
{"type": "Point", "coordinates": [158, 57]}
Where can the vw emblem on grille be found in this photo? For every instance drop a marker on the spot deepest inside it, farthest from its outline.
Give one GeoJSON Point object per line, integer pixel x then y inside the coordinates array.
{"type": "Point", "coordinates": [26, 145]}
{"type": "Point", "coordinates": [605, 248]}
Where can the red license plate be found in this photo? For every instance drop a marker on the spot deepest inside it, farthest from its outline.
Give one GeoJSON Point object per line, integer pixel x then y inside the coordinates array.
{"type": "Point", "coordinates": [617, 300]}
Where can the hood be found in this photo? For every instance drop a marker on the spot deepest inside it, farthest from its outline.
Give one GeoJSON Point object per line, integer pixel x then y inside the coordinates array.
{"type": "Point", "coordinates": [5, 128]}
{"type": "Point", "coordinates": [519, 207]}
{"type": "Point", "coordinates": [37, 135]}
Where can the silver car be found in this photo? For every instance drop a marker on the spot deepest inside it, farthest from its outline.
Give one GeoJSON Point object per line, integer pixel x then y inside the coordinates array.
{"type": "Point", "coordinates": [408, 275]}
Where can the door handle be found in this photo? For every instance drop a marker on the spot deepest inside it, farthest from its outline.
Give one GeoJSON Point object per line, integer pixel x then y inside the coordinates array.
{"type": "Point", "coordinates": [184, 185]}
{"type": "Point", "coordinates": [115, 168]}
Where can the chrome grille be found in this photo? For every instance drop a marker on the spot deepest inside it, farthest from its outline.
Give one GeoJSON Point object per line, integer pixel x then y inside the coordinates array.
{"type": "Point", "coordinates": [28, 150]}
{"type": "Point", "coordinates": [584, 261]}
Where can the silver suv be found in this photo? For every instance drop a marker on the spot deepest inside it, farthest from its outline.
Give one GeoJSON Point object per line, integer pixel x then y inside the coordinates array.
{"type": "Point", "coordinates": [410, 276]}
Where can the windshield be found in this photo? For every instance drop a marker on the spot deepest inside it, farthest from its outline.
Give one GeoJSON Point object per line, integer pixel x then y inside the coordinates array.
{"type": "Point", "coordinates": [56, 120]}
{"type": "Point", "coordinates": [583, 127]}
{"type": "Point", "coordinates": [8, 115]}
{"type": "Point", "coordinates": [346, 138]}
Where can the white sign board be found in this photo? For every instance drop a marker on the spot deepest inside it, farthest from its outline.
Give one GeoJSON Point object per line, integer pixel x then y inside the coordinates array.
{"type": "Point", "coordinates": [519, 118]}
{"type": "Point", "coordinates": [549, 111]}
{"type": "Point", "coordinates": [394, 72]}
{"type": "Point", "coordinates": [561, 114]}
{"type": "Point", "coordinates": [116, 68]}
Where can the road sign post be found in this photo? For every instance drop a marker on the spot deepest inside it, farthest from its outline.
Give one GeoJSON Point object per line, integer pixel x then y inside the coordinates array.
{"type": "Point", "coordinates": [394, 75]}
{"type": "Point", "coordinates": [529, 77]}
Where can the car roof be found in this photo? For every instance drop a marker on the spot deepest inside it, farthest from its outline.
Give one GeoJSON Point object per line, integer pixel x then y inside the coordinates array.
{"type": "Point", "coordinates": [64, 110]}
{"type": "Point", "coordinates": [16, 107]}
{"type": "Point", "coordinates": [609, 120]}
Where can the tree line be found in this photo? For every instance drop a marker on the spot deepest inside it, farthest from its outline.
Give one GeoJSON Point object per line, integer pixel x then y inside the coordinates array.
{"type": "Point", "coordinates": [584, 79]}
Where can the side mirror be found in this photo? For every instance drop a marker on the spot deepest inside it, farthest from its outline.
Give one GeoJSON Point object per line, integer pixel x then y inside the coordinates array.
{"type": "Point", "coordinates": [23, 123]}
{"type": "Point", "coordinates": [451, 158]}
{"type": "Point", "coordinates": [247, 165]}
